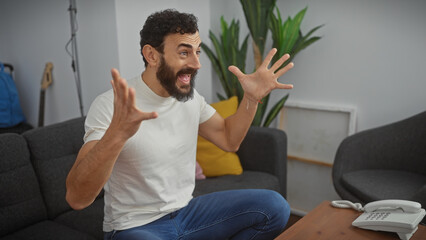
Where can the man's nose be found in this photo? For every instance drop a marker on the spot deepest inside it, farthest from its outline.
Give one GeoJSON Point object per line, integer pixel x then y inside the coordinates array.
{"type": "Point", "coordinates": [195, 62]}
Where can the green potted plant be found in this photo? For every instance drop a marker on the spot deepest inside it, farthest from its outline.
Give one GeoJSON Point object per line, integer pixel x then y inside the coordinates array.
{"type": "Point", "coordinates": [228, 52]}
{"type": "Point", "coordinates": [287, 38]}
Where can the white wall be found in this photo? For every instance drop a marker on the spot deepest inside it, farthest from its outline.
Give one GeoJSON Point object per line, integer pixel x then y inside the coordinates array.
{"type": "Point", "coordinates": [372, 55]}
{"type": "Point", "coordinates": [35, 32]}
{"type": "Point", "coordinates": [98, 52]}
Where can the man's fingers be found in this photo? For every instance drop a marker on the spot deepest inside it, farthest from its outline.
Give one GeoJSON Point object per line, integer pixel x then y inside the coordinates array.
{"type": "Point", "coordinates": [280, 62]}
{"type": "Point", "coordinates": [131, 102]}
{"type": "Point", "coordinates": [284, 86]}
{"type": "Point", "coordinates": [236, 71]}
{"type": "Point", "coordinates": [113, 87]}
{"type": "Point", "coordinates": [115, 74]}
{"type": "Point", "coordinates": [120, 85]}
{"type": "Point", "coordinates": [269, 57]}
{"type": "Point", "coordinates": [148, 116]}
{"type": "Point", "coordinates": [280, 73]}
{"type": "Point", "coordinates": [284, 69]}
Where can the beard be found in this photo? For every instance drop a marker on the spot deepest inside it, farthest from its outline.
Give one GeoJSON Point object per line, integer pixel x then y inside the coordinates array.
{"type": "Point", "coordinates": [168, 80]}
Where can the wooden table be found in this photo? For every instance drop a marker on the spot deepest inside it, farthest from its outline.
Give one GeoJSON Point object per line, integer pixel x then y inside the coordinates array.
{"type": "Point", "coordinates": [327, 222]}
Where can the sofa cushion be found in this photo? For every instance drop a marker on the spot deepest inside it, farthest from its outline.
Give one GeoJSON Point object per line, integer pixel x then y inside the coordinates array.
{"type": "Point", "coordinates": [48, 230]}
{"type": "Point", "coordinates": [213, 160]}
{"type": "Point", "coordinates": [53, 152]}
{"type": "Point", "coordinates": [21, 203]}
{"type": "Point", "coordinates": [376, 184]}
{"type": "Point", "coordinates": [248, 179]}
{"type": "Point", "coordinates": [91, 216]}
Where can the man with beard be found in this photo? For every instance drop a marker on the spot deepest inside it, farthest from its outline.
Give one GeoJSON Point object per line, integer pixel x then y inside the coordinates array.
{"type": "Point", "coordinates": [140, 146]}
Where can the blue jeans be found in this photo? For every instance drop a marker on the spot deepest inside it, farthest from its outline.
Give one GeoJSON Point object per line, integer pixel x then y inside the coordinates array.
{"type": "Point", "coordinates": [235, 214]}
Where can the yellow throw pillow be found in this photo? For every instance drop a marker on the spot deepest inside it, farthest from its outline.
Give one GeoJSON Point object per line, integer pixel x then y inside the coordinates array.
{"type": "Point", "coordinates": [213, 160]}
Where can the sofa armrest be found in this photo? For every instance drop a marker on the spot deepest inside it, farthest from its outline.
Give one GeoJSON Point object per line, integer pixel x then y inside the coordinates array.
{"type": "Point", "coordinates": [265, 150]}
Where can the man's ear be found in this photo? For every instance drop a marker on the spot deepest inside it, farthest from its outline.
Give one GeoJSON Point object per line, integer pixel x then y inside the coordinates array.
{"type": "Point", "coordinates": [151, 55]}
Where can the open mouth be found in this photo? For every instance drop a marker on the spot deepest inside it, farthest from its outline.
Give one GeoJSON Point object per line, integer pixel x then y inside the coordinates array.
{"type": "Point", "coordinates": [184, 78]}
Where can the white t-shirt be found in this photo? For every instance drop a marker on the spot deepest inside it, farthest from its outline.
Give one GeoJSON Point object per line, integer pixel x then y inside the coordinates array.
{"type": "Point", "coordinates": [155, 172]}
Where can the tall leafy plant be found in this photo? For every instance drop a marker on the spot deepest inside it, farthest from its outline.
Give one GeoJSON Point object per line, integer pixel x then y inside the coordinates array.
{"type": "Point", "coordinates": [287, 38]}
{"type": "Point", "coordinates": [228, 53]}
{"type": "Point", "coordinates": [286, 35]}
{"type": "Point", "coordinates": [257, 16]}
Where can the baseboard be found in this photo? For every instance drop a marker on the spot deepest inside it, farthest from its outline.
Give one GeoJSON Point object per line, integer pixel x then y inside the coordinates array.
{"type": "Point", "coordinates": [298, 212]}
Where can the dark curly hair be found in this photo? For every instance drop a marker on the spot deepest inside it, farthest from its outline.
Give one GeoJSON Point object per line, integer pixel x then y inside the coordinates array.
{"type": "Point", "coordinates": [160, 24]}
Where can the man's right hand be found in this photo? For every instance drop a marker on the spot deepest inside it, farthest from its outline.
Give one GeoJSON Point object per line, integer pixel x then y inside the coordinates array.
{"type": "Point", "coordinates": [127, 118]}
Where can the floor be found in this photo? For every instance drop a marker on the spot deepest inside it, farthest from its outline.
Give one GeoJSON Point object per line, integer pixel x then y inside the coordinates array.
{"type": "Point", "coordinates": [292, 220]}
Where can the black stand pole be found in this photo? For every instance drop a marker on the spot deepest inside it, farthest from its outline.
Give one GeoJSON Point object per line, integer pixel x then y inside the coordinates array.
{"type": "Point", "coordinates": [75, 66]}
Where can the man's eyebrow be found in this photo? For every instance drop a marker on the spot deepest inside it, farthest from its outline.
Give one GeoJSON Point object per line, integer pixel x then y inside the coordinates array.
{"type": "Point", "coordinates": [187, 45]}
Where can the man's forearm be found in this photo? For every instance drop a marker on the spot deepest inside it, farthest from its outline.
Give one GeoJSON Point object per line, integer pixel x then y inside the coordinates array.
{"type": "Point", "coordinates": [256, 86]}
{"type": "Point", "coordinates": [238, 124]}
{"type": "Point", "coordinates": [92, 169]}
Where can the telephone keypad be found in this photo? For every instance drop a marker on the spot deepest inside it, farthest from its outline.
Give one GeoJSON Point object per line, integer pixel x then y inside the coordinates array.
{"type": "Point", "coordinates": [374, 216]}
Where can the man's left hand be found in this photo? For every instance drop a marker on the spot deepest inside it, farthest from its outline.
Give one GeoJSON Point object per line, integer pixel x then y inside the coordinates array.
{"type": "Point", "coordinates": [260, 83]}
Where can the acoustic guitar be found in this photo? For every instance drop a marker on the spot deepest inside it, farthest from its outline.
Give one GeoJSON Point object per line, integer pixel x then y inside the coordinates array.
{"type": "Point", "coordinates": [45, 83]}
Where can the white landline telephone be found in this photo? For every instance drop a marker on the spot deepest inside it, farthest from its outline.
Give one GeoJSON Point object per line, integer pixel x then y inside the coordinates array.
{"type": "Point", "coordinates": [400, 216]}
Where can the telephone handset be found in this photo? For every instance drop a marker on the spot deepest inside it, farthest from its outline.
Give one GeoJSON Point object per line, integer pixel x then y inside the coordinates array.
{"type": "Point", "coordinates": [406, 206]}
{"type": "Point", "coordinates": [400, 216]}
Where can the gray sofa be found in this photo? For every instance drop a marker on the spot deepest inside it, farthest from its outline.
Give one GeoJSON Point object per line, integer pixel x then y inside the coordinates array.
{"type": "Point", "coordinates": [34, 166]}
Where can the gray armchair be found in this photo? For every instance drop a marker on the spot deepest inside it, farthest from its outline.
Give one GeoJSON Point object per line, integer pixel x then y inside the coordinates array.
{"type": "Point", "coordinates": [387, 162]}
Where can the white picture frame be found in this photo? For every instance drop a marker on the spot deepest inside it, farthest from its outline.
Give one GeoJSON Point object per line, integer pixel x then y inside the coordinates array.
{"type": "Point", "coordinates": [314, 131]}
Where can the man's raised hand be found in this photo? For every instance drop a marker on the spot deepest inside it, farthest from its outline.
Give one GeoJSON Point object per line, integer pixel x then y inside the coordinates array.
{"type": "Point", "coordinates": [127, 117]}
{"type": "Point", "coordinates": [260, 83]}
